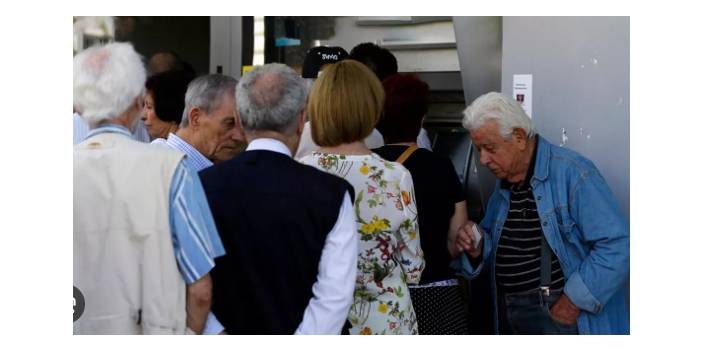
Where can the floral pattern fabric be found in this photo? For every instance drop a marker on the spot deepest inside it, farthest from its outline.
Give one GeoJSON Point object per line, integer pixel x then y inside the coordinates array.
{"type": "Point", "coordinates": [390, 256]}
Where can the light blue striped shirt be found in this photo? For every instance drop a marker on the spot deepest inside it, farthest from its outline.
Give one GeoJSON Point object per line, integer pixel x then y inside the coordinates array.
{"type": "Point", "coordinates": [193, 157]}
{"type": "Point", "coordinates": [81, 130]}
{"type": "Point", "coordinates": [196, 242]}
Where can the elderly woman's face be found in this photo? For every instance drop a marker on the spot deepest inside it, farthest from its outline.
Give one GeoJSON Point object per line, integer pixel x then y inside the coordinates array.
{"type": "Point", "coordinates": [154, 125]}
{"type": "Point", "coordinates": [498, 154]}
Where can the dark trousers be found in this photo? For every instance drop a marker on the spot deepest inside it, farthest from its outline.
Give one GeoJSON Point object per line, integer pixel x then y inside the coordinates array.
{"type": "Point", "coordinates": [529, 313]}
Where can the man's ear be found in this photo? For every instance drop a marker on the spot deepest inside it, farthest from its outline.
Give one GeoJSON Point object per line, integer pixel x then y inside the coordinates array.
{"type": "Point", "coordinates": [521, 137]}
{"type": "Point", "coordinates": [194, 117]}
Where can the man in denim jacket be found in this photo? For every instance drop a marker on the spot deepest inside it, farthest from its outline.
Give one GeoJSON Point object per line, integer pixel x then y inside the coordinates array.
{"type": "Point", "coordinates": [552, 203]}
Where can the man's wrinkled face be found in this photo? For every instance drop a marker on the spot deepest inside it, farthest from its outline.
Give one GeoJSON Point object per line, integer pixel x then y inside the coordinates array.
{"type": "Point", "coordinates": [498, 154]}
{"type": "Point", "coordinates": [222, 132]}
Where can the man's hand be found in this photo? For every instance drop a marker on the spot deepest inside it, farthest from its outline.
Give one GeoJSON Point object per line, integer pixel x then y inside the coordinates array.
{"type": "Point", "coordinates": [564, 311]}
{"type": "Point", "coordinates": [465, 241]}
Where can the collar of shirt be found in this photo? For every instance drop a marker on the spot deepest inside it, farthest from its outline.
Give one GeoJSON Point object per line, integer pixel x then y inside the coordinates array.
{"type": "Point", "coordinates": [269, 144]}
{"type": "Point", "coordinates": [197, 160]}
{"type": "Point", "coordinates": [110, 128]}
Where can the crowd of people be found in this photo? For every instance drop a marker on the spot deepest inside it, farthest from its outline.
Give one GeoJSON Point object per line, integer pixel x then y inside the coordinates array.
{"type": "Point", "coordinates": [311, 203]}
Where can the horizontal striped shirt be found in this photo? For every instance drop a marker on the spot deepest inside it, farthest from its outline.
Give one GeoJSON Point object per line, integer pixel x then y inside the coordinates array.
{"type": "Point", "coordinates": [196, 242]}
{"type": "Point", "coordinates": [518, 256]}
{"type": "Point", "coordinates": [193, 157]}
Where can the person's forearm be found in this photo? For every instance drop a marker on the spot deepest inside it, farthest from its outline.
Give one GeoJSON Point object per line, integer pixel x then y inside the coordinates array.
{"type": "Point", "coordinates": [197, 310]}
{"type": "Point", "coordinates": [199, 301]}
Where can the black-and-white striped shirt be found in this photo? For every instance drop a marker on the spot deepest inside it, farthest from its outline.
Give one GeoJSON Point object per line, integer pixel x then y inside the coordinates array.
{"type": "Point", "coordinates": [518, 257]}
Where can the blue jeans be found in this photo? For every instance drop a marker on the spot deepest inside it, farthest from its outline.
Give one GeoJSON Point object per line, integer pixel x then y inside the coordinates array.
{"type": "Point", "coordinates": [529, 313]}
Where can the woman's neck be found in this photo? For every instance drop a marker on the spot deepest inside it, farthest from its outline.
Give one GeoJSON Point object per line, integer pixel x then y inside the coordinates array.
{"type": "Point", "coordinates": [355, 148]}
{"type": "Point", "coordinates": [173, 128]}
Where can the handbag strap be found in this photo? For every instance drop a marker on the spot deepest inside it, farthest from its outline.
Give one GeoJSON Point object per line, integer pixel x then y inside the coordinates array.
{"type": "Point", "coordinates": [405, 155]}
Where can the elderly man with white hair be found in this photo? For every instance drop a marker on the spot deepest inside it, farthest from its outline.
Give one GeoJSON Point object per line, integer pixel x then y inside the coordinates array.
{"type": "Point", "coordinates": [143, 236]}
{"type": "Point", "coordinates": [289, 228]}
{"type": "Point", "coordinates": [553, 235]}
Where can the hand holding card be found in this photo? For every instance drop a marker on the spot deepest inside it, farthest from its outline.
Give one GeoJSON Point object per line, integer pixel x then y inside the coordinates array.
{"type": "Point", "coordinates": [476, 236]}
{"type": "Point", "coordinates": [468, 239]}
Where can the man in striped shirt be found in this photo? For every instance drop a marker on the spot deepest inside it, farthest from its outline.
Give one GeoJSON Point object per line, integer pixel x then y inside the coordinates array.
{"type": "Point", "coordinates": [129, 199]}
{"type": "Point", "coordinates": [208, 132]}
{"type": "Point", "coordinates": [553, 235]}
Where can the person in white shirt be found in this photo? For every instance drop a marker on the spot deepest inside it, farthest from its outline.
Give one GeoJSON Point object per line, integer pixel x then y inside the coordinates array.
{"type": "Point", "coordinates": [289, 229]}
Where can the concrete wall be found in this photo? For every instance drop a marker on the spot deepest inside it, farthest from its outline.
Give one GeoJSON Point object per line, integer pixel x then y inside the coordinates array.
{"type": "Point", "coordinates": [580, 68]}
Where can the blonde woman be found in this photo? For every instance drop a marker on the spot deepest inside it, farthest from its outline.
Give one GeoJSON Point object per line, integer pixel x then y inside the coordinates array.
{"type": "Point", "coordinates": [344, 106]}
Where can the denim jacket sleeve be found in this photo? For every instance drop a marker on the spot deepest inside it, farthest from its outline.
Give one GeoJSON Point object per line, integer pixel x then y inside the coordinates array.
{"type": "Point", "coordinates": [605, 232]}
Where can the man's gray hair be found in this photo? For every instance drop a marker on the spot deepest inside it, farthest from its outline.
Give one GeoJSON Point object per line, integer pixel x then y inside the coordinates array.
{"type": "Point", "coordinates": [502, 109]}
{"type": "Point", "coordinates": [206, 92]}
{"type": "Point", "coordinates": [270, 98]}
{"type": "Point", "coordinates": [106, 80]}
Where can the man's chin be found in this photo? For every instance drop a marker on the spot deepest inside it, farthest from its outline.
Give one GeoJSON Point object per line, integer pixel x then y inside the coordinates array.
{"type": "Point", "coordinates": [228, 152]}
{"type": "Point", "coordinates": [499, 174]}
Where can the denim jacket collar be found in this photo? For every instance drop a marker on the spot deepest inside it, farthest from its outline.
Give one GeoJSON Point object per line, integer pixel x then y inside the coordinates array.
{"type": "Point", "coordinates": [542, 159]}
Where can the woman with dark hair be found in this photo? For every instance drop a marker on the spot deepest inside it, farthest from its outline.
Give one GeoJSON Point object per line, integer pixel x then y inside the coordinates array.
{"type": "Point", "coordinates": [164, 100]}
{"type": "Point", "coordinates": [441, 205]}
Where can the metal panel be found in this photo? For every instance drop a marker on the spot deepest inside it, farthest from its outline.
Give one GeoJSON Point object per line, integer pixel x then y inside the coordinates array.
{"type": "Point", "coordinates": [225, 45]}
{"type": "Point", "coordinates": [479, 41]}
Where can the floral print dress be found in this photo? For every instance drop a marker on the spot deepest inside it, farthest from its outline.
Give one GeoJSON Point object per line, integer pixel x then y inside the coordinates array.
{"type": "Point", "coordinates": [389, 255]}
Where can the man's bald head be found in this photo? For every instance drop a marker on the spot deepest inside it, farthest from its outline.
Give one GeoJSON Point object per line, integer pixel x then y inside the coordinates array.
{"type": "Point", "coordinates": [164, 61]}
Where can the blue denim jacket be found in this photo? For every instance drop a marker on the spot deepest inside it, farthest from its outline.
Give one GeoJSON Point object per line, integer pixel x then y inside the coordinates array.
{"type": "Point", "coordinates": [584, 227]}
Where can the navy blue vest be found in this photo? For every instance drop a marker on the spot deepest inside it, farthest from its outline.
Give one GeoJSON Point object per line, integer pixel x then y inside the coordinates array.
{"type": "Point", "coordinates": [273, 215]}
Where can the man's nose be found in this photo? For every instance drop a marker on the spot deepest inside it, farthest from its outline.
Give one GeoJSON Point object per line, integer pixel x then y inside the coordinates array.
{"type": "Point", "coordinates": [238, 134]}
{"type": "Point", "coordinates": [484, 158]}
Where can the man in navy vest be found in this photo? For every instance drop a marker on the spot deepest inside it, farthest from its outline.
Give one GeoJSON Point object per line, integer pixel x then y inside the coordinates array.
{"type": "Point", "coordinates": [289, 230]}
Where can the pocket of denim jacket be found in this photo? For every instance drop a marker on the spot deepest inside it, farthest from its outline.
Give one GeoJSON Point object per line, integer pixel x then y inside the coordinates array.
{"type": "Point", "coordinates": [565, 223]}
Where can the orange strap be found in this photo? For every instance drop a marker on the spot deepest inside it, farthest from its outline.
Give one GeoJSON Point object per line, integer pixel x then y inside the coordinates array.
{"type": "Point", "coordinates": [405, 155]}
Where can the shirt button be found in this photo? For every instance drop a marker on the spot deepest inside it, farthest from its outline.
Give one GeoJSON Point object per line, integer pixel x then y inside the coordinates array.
{"type": "Point", "coordinates": [545, 222]}
{"type": "Point", "coordinates": [538, 197]}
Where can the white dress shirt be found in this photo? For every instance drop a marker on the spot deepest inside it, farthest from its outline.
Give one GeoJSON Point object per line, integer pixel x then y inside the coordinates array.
{"type": "Point", "coordinates": [423, 139]}
{"type": "Point", "coordinates": [336, 278]}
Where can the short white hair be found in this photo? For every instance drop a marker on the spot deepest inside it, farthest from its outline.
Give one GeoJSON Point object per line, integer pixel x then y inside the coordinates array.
{"type": "Point", "coordinates": [502, 109]}
{"type": "Point", "coordinates": [106, 80]}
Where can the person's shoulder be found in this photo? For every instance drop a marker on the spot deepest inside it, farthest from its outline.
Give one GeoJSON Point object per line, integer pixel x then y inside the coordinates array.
{"type": "Point", "coordinates": [567, 159]}
{"type": "Point", "coordinates": [308, 159]}
{"type": "Point", "coordinates": [307, 165]}
{"type": "Point", "coordinates": [311, 177]}
{"type": "Point", "coordinates": [154, 148]}
{"type": "Point", "coordinates": [391, 169]}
